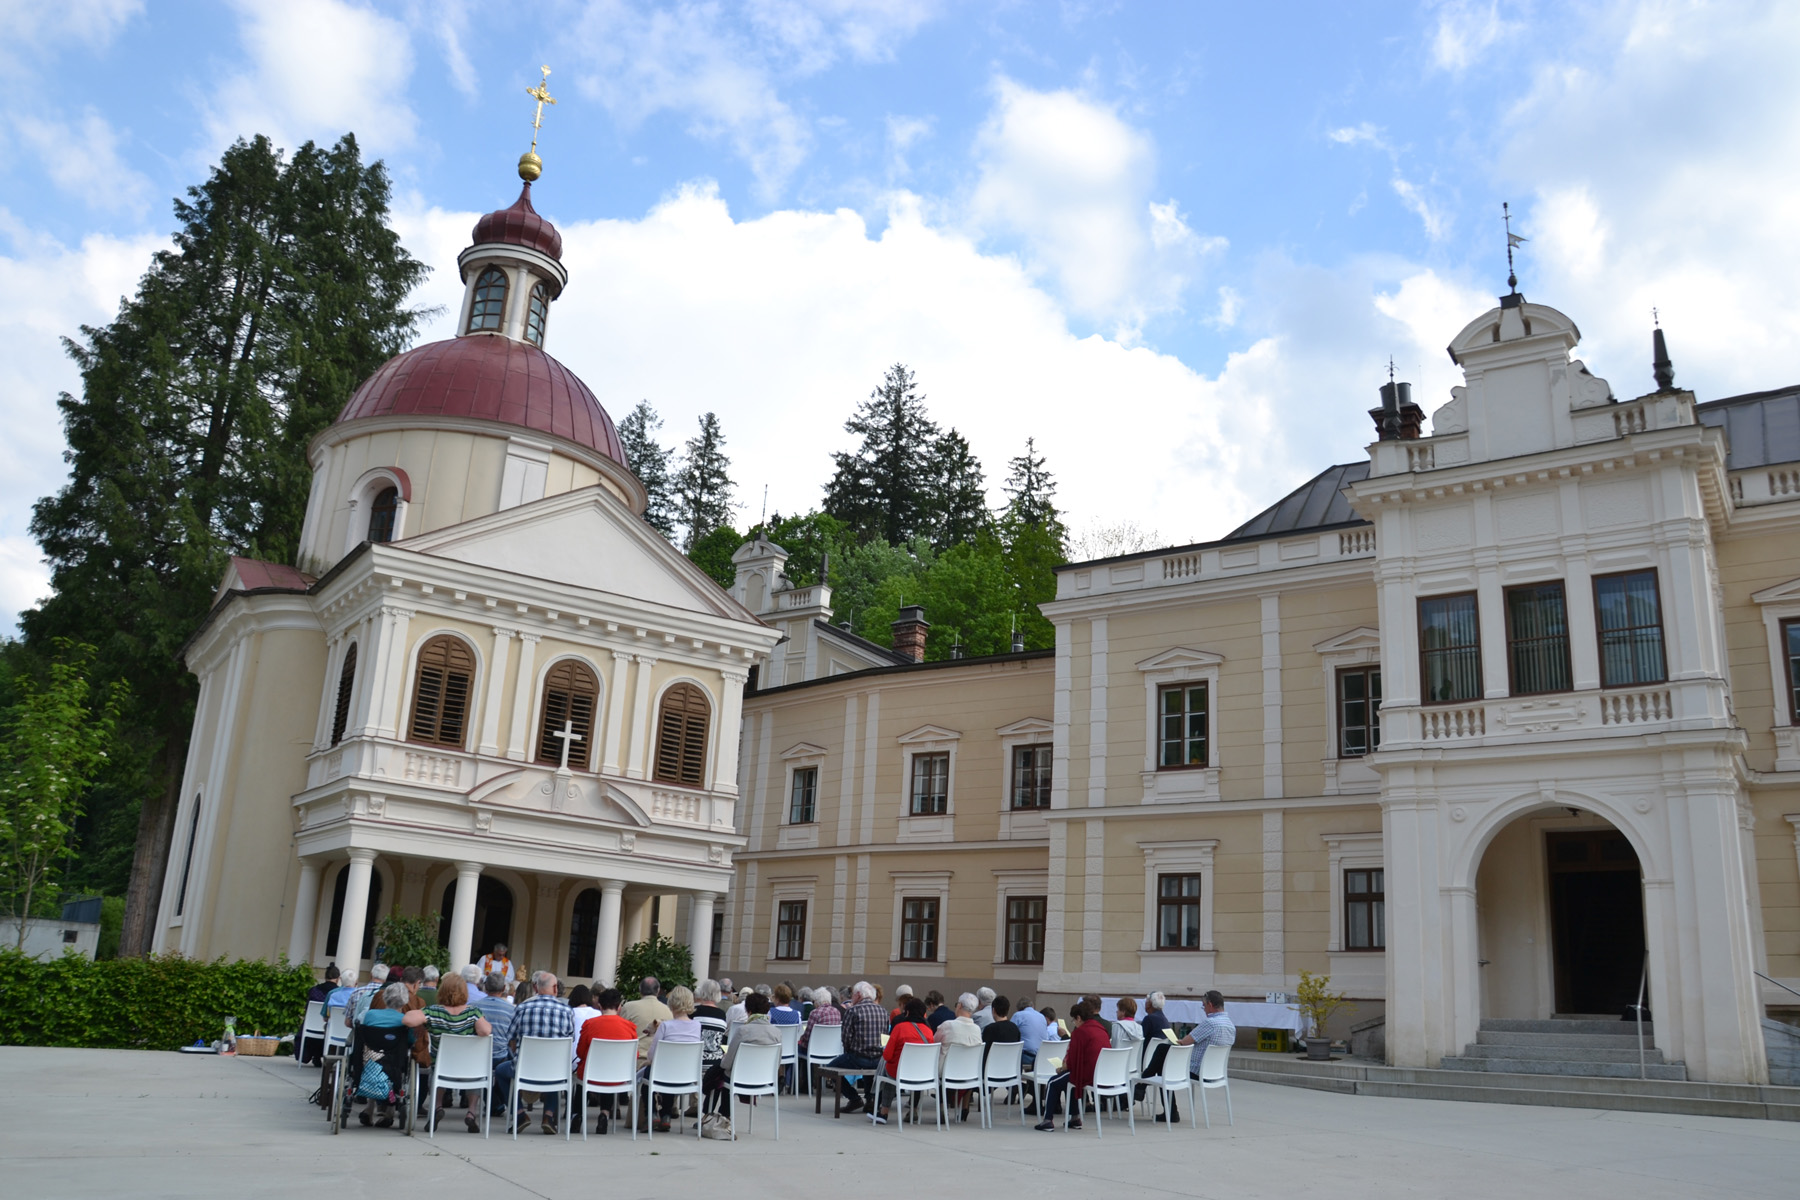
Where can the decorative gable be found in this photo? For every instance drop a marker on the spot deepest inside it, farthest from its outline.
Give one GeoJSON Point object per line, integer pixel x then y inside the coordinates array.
{"type": "Point", "coordinates": [1362, 644]}
{"type": "Point", "coordinates": [1781, 593]}
{"type": "Point", "coordinates": [929, 733]}
{"type": "Point", "coordinates": [1031, 727]}
{"type": "Point", "coordinates": [1181, 658]}
{"type": "Point", "coordinates": [803, 750]}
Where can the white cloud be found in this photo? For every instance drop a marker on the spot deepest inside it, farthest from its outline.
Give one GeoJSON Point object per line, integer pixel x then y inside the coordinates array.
{"type": "Point", "coordinates": [448, 21]}
{"type": "Point", "coordinates": [1464, 29]}
{"type": "Point", "coordinates": [902, 134]}
{"type": "Point", "coordinates": [83, 160]}
{"type": "Point", "coordinates": [1435, 220]}
{"type": "Point", "coordinates": [33, 26]}
{"type": "Point", "coordinates": [318, 69]}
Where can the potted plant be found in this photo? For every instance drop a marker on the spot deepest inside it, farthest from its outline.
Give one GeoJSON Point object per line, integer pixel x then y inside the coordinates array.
{"type": "Point", "coordinates": [1317, 1002]}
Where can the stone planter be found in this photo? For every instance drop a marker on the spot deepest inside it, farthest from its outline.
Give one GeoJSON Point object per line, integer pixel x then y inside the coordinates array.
{"type": "Point", "coordinates": [1318, 1048]}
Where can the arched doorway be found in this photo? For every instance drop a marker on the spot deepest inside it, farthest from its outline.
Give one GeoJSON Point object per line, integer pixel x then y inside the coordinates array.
{"type": "Point", "coordinates": [337, 914]}
{"type": "Point", "coordinates": [493, 917]}
{"type": "Point", "coordinates": [1560, 902]}
{"type": "Point", "coordinates": [584, 929]}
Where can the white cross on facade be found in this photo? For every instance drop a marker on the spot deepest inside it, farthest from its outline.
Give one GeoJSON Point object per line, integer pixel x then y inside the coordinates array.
{"type": "Point", "coordinates": [569, 736]}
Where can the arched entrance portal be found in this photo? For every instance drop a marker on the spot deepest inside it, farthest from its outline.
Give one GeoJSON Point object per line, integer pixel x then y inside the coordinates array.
{"type": "Point", "coordinates": [1560, 901]}
{"type": "Point", "coordinates": [493, 916]}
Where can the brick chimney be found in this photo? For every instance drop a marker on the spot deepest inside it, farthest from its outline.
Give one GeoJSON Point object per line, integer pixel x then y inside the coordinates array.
{"type": "Point", "coordinates": [910, 631]}
{"type": "Point", "coordinates": [1398, 418]}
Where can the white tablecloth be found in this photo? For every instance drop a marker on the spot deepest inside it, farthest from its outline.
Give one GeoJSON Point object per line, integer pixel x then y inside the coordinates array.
{"type": "Point", "coordinates": [1243, 1014]}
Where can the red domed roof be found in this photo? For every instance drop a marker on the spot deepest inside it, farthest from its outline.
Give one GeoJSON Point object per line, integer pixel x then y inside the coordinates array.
{"type": "Point", "coordinates": [489, 378]}
{"type": "Point", "coordinates": [520, 225]}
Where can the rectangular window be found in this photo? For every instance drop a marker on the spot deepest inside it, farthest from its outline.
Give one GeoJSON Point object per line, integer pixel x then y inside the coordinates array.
{"type": "Point", "coordinates": [930, 784]}
{"type": "Point", "coordinates": [1183, 732]}
{"type": "Point", "coordinates": [803, 797]}
{"type": "Point", "coordinates": [919, 929]}
{"type": "Point", "coordinates": [1031, 776]}
{"type": "Point", "coordinates": [1537, 639]}
{"type": "Point", "coordinates": [1025, 929]}
{"type": "Point", "coordinates": [790, 929]}
{"type": "Point", "coordinates": [1790, 648]}
{"type": "Point", "coordinates": [1631, 636]}
{"type": "Point", "coordinates": [1449, 648]}
{"type": "Point", "coordinates": [1365, 923]}
{"type": "Point", "coordinates": [1359, 710]}
{"type": "Point", "coordinates": [1178, 912]}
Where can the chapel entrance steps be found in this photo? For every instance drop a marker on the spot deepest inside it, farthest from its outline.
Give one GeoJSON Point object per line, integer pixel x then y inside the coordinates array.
{"type": "Point", "coordinates": [1602, 1047]}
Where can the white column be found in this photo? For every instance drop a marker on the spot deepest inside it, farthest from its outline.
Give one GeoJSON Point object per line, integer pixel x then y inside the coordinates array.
{"type": "Point", "coordinates": [606, 945]}
{"type": "Point", "coordinates": [637, 766]}
{"type": "Point", "coordinates": [462, 915]}
{"type": "Point", "coordinates": [306, 913]}
{"type": "Point", "coordinates": [700, 923]}
{"type": "Point", "coordinates": [356, 908]}
{"type": "Point", "coordinates": [333, 670]}
{"type": "Point", "coordinates": [494, 696]}
{"type": "Point", "coordinates": [523, 695]}
{"type": "Point", "coordinates": [731, 719]}
{"type": "Point", "coordinates": [615, 713]}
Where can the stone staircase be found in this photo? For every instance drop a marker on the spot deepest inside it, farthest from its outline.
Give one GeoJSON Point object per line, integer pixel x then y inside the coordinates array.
{"type": "Point", "coordinates": [1565, 1062]}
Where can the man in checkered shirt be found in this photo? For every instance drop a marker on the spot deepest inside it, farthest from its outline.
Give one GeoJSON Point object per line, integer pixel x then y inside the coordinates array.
{"type": "Point", "coordinates": [544, 1015]}
{"type": "Point", "coordinates": [864, 1023]}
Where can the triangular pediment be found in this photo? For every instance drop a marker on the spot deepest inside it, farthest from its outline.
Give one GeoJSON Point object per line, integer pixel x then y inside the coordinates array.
{"type": "Point", "coordinates": [1180, 657]}
{"type": "Point", "coordinates": [1029, 727]}
{"type": "Point", "coordinates": [1781, 593]}
{"type": "Point", "coordinates": [544, 790]}
{"type": "Point", "coordinates": [929, 733]}
{"type": "Point", "coordinates": [585, 538]}
{"type": "Point", "coordinates": [803, 750]}
{"type": "Point", "coordinates": [1361, 638]}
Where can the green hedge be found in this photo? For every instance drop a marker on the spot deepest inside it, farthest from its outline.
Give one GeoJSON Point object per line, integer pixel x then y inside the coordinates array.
{"type": "Point", "coordinates": [157, 1003]}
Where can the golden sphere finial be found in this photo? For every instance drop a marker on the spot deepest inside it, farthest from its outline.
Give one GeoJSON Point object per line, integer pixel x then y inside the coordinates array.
{"type": "Point", "coordinates": [530, 167]}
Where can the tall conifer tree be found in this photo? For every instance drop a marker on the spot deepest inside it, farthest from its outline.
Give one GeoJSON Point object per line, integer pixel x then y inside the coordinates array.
{"type": "Point", "coordinates": [958, 500]}
{"type": "Point", "coordinates": [650, 461]}
{"type": "Point", "coordinates": [703, 486]}
{"type": "Point", "coordinates": [883, 489]}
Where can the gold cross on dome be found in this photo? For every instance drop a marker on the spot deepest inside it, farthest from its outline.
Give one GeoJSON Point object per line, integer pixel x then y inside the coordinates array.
{"type": "Point", "coordinates": [540, 93]}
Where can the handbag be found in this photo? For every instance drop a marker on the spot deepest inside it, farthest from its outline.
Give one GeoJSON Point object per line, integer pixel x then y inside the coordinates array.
{"type": "Point", "coordinates": [716, 1126]}
{"type": "Point", "coordinates": [375, 1084]}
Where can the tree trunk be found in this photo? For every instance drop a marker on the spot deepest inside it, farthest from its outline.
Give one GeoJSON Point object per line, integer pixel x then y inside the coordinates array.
{"type": "Point", "coordinates": [150, 858]}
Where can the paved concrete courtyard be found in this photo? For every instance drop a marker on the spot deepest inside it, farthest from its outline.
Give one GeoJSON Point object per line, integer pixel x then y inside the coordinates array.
{"type": "Point", "coordinates": [117, 1123]}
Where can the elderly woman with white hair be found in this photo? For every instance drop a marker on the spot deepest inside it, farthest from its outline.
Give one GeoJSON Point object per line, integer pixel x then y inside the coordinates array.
{"type": "Point", "coordinates": [824, 1012]}
{"type": "Point", "coordinates": [961, 1030]}
{"type": "Point", "coordinates": [984, 1012]}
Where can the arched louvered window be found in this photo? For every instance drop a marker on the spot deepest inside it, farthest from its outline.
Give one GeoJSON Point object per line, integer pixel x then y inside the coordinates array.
{"type": "Point", "coordinates": [381, 514]}
{"type": "Point", "coordinates": [681, 736]}
{"type": "Point", "coordinates": [537, 312]}
{"type": "Point", "coordinates": [489, 309]}
{"type": "Point", "coordinates": [340, 717]}
{"type": "Point", "coordinates": [570, 693]}
{"type": "Point", "coordinates": [440, 712]}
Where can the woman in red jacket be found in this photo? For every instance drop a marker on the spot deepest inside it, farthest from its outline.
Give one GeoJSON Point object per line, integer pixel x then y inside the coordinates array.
{"type": "Point", "coordinates": [1077, 1072]}
{"type": "Point", "coordinates": [910, 1028]}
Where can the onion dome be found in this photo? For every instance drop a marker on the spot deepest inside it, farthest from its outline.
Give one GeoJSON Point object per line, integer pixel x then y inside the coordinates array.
{"type": "Point", "coordinates": [489, 378]}
{"type": "Point", "coordinates": [519, 225]}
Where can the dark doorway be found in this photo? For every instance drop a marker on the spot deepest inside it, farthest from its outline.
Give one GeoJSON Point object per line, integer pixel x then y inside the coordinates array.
{"type": "Point", "coordinates": [493, 916]}
{"type": "Point", "coordinates": [337, 915]}
{"type": "Point", "coordinates": [584, 930]}
{"type": "Point", "coordinates": [1596, 921]}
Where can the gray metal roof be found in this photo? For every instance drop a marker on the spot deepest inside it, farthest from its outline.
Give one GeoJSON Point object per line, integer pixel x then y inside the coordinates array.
{"type": "Point", "coordinates": [1761, 429]}
{"type": "Point", "coordinates": [1316, 504]}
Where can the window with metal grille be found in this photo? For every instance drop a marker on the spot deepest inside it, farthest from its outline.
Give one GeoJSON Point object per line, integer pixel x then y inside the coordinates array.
{"type": "Point", "coordinates": [930, 784]}
{"type": "Point", "coordinates": [1365, 919]}
{"type": "Point", "coordinates": [681, 736]}
{"type": "Point", "coordinates": [1183, 733]}
{"type": "Point", "coordinates": [381, 514]}
{"type": "Point", "coordinates": [718, 937]}
{"type": "Point", "coordinates": [1178, 912]}
{"type": "Point", "coordinates": [537, 312]}
{"type": "Point", "coordinates": [440, 714]}
{"type": "Point", "coordinates": [1629, 611]}
{"type": "Point", "coordinates": [1450, 648]}
{"type": "Point", "coordinates": [488, 310]}
{"type": "Point", "coordinates": [1025, 929]}
{"type": "Point", "coordinates": [919, 929]}
{"type": "Point", "coordinates": [1359, 711]}
{"type": "Point", "coordinates": [790, 929]}
{"type": "Point", "coordinates": [1031, 776]}
{"type": "Point", "coordinates": [1537, 639]}
{"type": "Point", "coordinates": [570, 693]}
{"type": "Point", "coordinates": [1790, 645]}
{"type": "Point", "coordinates": [803, 796]}
{"type": "Point", "coordinates": [340, 713]}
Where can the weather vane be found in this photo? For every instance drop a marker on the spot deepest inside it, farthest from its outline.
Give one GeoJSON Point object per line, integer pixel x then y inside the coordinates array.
{"type": "Point", "coordinates": [530, 165]}
{"type": "Point", "coordinates": [1512, 240]}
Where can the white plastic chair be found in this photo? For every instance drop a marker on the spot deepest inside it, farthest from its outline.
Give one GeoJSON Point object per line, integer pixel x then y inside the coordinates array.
{"type": "Point", "coordinates": [790, 1048]}
{"type": "Point", "coordinates": [543, 1066]}
{"type": "Point", "coordinates": [1042, 1070]}
{"type": "Point", "coordinates": [1001, 1070]}
{"type": "Point", "coordinates": [1175, 1078]}
{"type": "Point", "coordinates": [675, 1071]}
{"type": "Point", "coordinates": [610, 1070]}
{"type": "Point", "coordinates": [1112, 1077]}
{"type": "Point", "coordinates": [959, 1071]}
{"type": "Point", "coordinates": [827, 1043]}
{"type": "Point", "coordinates": [464, 1062]}
{"type": "Point", "coordinates": [756, 1071]}
{"type": "Point", "coordinates": [337, 1030]}
{"type": "Point", "coordinates": [1214, 1074]}
{"type": "Point", "coordinates": [917, 1072]}
{"type": "Point", "coordinates": [311, 1026]}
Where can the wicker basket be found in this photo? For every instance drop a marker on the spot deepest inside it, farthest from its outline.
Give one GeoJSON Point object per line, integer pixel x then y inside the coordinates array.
{"type": "Point", "coordinates": [258, 1047]}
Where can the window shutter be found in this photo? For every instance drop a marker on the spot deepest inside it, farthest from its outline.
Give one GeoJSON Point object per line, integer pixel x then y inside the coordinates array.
{"type": "Point", "coordinates": [570, 694]}
{"type": "Point", "coordinates": [441, 694]}
{"type": "Point", "coordinates": [340, 717]}
{"type": "Point", "coordinates": [681, 736]}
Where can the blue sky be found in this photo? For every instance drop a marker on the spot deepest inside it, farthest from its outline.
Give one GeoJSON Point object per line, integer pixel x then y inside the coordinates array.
{"type": "Point", "coordinates": [1176, 243]}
